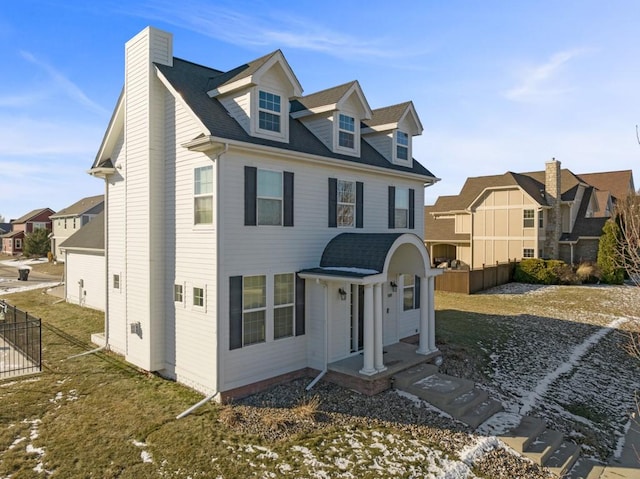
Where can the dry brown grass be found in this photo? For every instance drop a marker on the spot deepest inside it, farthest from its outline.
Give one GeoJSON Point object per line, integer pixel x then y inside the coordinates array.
{"type": "Point", "coordinates": [307, 409]}
{"type": "Point", "coordinates": [229, 416]}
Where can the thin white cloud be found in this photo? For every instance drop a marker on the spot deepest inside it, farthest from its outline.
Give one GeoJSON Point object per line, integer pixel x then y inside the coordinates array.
{"type": "Point", "coordinates": [72, 90]}
{"type": "Point", "coordinates": [276, 30]}
{"type": "Point", "coordinates": [540, 81]}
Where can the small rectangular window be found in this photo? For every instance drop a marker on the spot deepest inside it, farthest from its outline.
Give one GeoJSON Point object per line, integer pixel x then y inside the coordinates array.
{"type": "Point", "coordinates": [402, 208]}
{"type": "Point", "coordinates": [254, 308]}
{"type": "Point", "coordinates": [18, 243]}
{"type": "Point", "coordinates": [203, 195]}
{"type": "Point", "coordinates": [409, 292]}
{"type": "Point", "coordinates": [269, 111]}
{"type": "Point", "coordinates": [116, 281]}
{"type": "Point", "coordinates": [541, 219]}
{"type": "Point", "coordinates": [178, 294]}
{"type": "Point", "coordinates": [346, 203]}
{"type": "Point", "coordinates": [402, 145]}
{"type": "Point", "coordinates": [528, 253]}
{"type": "Point", "coordinates": [283, 305]}
{"type": "Point", "coordinates": [346, 131]}
{"type": "Point", "coordinates": [198, 297]}
{"type": "Point", "coordinates": [528, 218]}
{"type": "Point", "coordinates": [269, 197]}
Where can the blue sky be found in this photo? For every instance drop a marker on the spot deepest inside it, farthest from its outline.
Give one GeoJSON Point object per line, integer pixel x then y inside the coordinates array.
{"type": "Point", "coordinates": [499, 86]}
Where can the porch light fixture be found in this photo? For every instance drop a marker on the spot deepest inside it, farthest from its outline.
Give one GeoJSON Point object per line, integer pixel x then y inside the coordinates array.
{"type": "Point", "coordinates": [394, 286]}
{"type": "Point", "coordinates": [342, 293]}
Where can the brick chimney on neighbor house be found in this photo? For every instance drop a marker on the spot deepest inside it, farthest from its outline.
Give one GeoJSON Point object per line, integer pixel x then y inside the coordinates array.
{"type": "Point", "coordinates": [554, 219]}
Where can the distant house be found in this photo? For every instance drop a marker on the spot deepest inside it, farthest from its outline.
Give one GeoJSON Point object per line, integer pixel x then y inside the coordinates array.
{"type": "Point", "coordinates": [544, 214]}
{"type": "Point", "coordinates": [69, 220]}
{"type": "Point", "coordinates": [84, 265]}
{"type": "Point", "coordinates": [255, 234]}
{"type": "Point", "coordinates": [12, 242]}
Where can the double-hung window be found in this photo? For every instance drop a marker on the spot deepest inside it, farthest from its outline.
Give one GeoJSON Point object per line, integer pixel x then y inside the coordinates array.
{"type": "Point", "coordinates": [283, 305]}
{"type": "Point", "coordinates": [346, 131]}
{"type": "Point", "coordinates": [203, 195]}
{"type": "Point", "coordinates": [269, 197]}
{"type": "Point", "coordinates": [528, 218]}
{"type": "Point", "coordinates": [198, 297]}
{"type": "Point", "coordinates": [402, 208]}
{"type": "Point", "coordinates": [116, 281]}
{"type": "Point", "coordinates": [527, 253]}
{"type": "Point", "coordinates": [269, 111]}
{"type": "Point", "coordinates": [178, 293]}
{"type": "Point", "coordinates": [254, 309]}
{"type": "Point", "coordinates": [346, 197]}
{"type": "Point", "coordinates": [402, 145]}
{"type": "Point", "coordinates": [541, 219]}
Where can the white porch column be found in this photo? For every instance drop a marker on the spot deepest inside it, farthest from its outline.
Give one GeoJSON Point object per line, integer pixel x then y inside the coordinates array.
{"type": "Point", "coordinates": [425, 307]}
{"type": "Point", "coordinates": [355, 333]}
{"type": "Point", "coordinates": [377, 321]}
{"type": "Point", "coordinates": [367, 367]}
{"type": "Point", "coordinates": [432, 314]}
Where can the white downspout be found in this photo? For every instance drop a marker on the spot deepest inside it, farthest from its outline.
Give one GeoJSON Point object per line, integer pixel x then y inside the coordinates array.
{"type": "Point", "coordinates": [218, 195]}
{"type": "Point", "coordinates": [326, 338]}
{"type": "Point", "coordinates": [106, 275]}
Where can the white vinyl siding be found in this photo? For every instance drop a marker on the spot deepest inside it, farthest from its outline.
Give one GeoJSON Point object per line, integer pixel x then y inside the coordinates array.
{"type": "Point", "coordinates": [85, 278]}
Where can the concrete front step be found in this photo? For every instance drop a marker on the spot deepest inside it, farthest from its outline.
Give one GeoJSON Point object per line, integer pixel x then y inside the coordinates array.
{"type": "Point", "coordinates": [546, 447]}
{"type": "Point", "coordinates": [457, 397]}
{"type": "Point", "coordinates": [585, 469]}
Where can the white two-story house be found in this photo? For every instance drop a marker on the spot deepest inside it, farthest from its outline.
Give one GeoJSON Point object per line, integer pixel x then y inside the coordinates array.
{"type": "Point", "coordinates": [255, 234]}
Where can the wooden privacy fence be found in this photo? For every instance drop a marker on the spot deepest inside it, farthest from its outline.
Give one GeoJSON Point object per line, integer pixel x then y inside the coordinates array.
{"type": "Point", "coordinates": [469, 281]}
{"type": "Point", "coordinates": [20, 342]}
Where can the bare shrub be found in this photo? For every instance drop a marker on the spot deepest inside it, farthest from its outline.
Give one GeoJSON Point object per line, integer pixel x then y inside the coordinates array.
{"type": "Point", "coordinates": [229, 416]}
{"type": "Point", "coordinates": [588, 272]}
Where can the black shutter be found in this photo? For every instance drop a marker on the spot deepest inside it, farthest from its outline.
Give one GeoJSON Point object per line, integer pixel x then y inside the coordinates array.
{"type": "Point", "coordinates": [412, 208]}
{"type": "Point", "coordinates": [250, 195]}
{"type": "Point", "coordinates": [288, 199]}
{"type": "Point", "coordinates": [235, 312]}
{"type": "Point", "coordinates": [392, 207]}
{"type": "Point", "coordinates": [417, 293]}
{"type": "Point", "coordinates": [333, 202]}
{"type": "Point", "coordinates": [300, 323]}
{"type": "Point", "coordinates": [359, 204]}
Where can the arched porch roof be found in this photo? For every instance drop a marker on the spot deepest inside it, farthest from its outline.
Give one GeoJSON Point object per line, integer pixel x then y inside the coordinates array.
{"type": "Point", "coordinates": [363, 255]}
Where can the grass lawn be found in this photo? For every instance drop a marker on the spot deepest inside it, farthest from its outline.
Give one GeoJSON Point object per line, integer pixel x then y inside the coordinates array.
{"type": "Point", "coordinates": [96, 416]}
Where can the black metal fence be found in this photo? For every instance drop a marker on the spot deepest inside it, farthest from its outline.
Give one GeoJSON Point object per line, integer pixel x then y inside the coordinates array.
{"type": "Point", "coordinates": [20, 342]}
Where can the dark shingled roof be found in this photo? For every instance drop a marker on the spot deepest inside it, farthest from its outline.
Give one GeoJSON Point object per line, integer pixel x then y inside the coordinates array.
{"type": "Point", "coordinates": [80, 207]}
{"type": "Point", "coordinates": [442, 229]}
{"type": "Point", "coordinates": [358, 250]}
{"type": "Point", "coordinates": [388, 114]}
{"type": "Point", "coordinates": [619, 183]}
{"type": "Point", "coordinates": [31, 214]}
{"type": "Point", "coordinates": [585, 227]}
{"type": "Point", "coordinates": [90, 236]}
{"type": "Point", "coordinates": [321, 98]}
{"type": "Point", "coordinates": [193, 81]}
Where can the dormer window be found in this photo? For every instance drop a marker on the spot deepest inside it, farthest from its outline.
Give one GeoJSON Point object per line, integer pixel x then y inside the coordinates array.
{"type": "Point", "coordinates": [346, 131]}
{"type": "Point", "coordinates": [402, 145]}
{"type": "Point", "coordinates": [269, 111]}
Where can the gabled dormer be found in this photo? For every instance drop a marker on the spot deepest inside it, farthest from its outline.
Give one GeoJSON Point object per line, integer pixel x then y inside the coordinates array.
{"type": "Point", "coordinates": [257, 95]}
{"type": "Point", "coordinates": [391, 130]}
{"type": "Point", "coordinates": [334, 116]}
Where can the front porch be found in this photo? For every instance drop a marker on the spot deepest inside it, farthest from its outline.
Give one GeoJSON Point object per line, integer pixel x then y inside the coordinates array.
{"type": "Point", "coordinates": [397, 357]}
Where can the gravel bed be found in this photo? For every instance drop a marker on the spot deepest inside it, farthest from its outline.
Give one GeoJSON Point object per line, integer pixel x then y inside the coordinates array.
{"type": "Point", "coordinates": [344, 409]}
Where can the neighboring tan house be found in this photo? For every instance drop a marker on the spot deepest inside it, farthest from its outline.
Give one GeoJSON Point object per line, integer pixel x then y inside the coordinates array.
{"type": "Point", "coordinates": [69, 220]}
{"type": "Point", "coordinates": [12, 242]}
{"type": "Point", "coordinates": [84, 265]}
{"type": "Point", "coordinates": [255, 234]}
{"type": "Point", "coordinates": [544, 214]}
